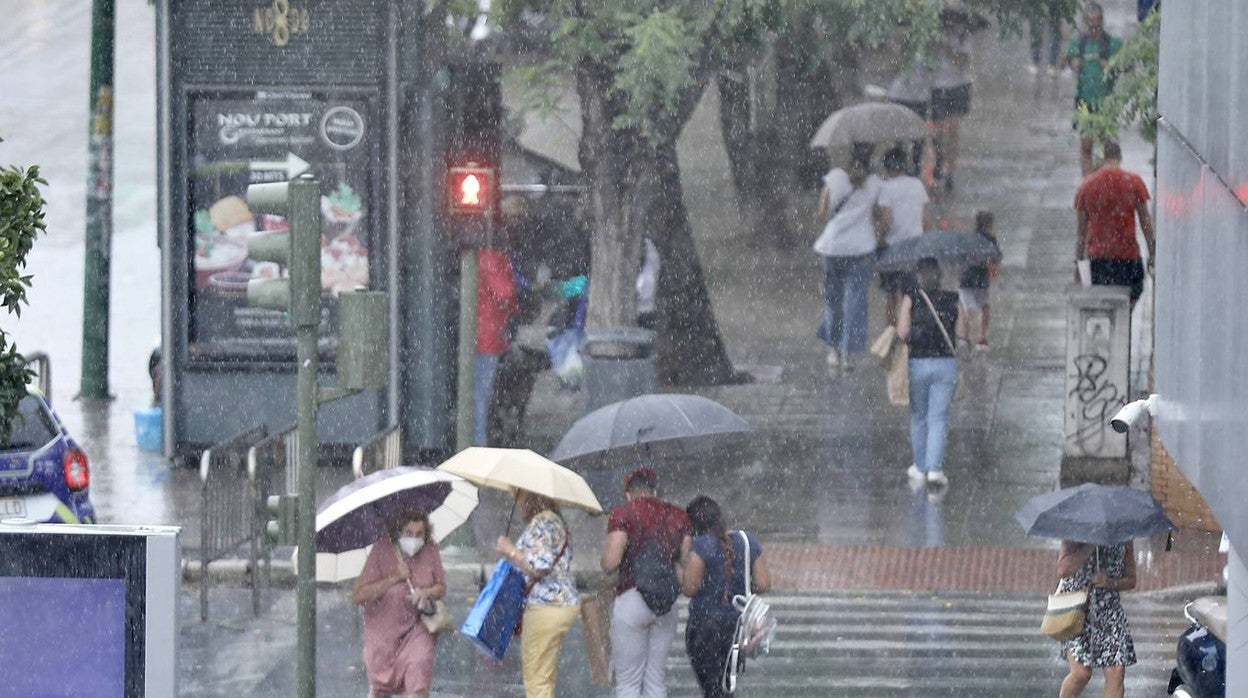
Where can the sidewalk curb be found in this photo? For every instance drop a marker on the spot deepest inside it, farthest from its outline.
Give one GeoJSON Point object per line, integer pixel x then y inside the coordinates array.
{"type": "Point", "coordinates": [460, 574]}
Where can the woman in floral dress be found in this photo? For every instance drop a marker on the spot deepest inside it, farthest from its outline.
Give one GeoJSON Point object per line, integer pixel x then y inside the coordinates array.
{"type": "Point", "coordinates": [544, 554]}
{"type": "Point", "coordinates": [1105, 642]}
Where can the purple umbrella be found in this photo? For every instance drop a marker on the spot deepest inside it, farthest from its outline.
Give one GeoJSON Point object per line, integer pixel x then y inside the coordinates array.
{"type": "Point", "coordinates": [359, 513]}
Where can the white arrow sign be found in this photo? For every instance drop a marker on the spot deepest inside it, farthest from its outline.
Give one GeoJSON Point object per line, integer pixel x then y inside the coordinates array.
{"type": "Point", "coordinates": [293, 166]}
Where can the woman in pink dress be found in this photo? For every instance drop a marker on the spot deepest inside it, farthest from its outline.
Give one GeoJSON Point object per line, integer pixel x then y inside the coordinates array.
{"type": "Point", "coordinates": [403, 571]}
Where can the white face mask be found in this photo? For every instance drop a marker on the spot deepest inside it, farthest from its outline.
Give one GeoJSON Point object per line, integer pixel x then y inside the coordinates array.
{"type": "Point", "coordinates": [411, 545]}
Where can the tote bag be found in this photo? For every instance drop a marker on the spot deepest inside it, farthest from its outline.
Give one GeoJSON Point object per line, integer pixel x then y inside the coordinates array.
{"type": "Point", "coordinates": [492, 620]}
{"type": "Point", "coordinates": [1065, 614]}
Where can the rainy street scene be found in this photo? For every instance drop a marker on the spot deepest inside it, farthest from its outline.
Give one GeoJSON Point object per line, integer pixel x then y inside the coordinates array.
{"type": "Point", "coordinates": [434, 348]}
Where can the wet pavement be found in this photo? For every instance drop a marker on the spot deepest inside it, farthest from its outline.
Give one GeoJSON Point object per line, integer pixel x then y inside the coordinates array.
{"type": "Point", "coordinates": [822, 479]}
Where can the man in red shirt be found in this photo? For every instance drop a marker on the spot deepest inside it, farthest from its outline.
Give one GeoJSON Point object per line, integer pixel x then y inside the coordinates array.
{"type": "Point", "coordinates": [496, 301]}
{"type": "Point", "coordinates": [1107, 203]}
{"type": "Point", "coordinates": [640, 637]}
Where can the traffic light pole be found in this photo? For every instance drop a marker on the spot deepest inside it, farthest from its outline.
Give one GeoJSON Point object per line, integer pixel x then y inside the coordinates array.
{"type": "Point", "coordinates": [99, 231]}
{"type": "Point", "coordinates": [466, 404]}
{"type": "Point", "coordinates": [305, 313]}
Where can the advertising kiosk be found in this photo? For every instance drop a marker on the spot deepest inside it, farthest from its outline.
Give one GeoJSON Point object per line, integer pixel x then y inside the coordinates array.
{"type": "Point", "coordinates": [88, 610]}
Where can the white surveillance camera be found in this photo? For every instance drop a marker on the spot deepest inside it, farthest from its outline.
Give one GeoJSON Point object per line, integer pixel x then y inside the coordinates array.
{"type": "Point", "coordinates": [1131, 412]}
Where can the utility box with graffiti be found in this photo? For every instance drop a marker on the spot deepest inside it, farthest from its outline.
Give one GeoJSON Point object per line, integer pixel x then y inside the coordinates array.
{"type": "Point", "coordinates": [1098, 348]}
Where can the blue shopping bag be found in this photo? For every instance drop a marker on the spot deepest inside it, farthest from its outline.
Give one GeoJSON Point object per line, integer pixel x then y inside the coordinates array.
{"type": "Point", "coordinates": [492, 620]}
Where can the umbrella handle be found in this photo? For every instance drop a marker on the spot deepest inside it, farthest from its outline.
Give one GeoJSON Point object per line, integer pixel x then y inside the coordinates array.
{"type": "Point", "coordinates": [510, 515]}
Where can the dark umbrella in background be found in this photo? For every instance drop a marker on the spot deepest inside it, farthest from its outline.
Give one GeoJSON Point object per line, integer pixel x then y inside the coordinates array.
{"type": "Point", "coordinates": [949, 247]}
{"type": "Point", "coordinates": [655, 430]}
{"type": "Point", "coordinates": [1099, 514]}
{"type": "Point", "coordinates": [647, 428]}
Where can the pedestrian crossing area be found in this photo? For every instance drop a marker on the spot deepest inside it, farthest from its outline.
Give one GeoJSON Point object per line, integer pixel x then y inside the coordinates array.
{"type": "Point", "coordinates": [888, 645]}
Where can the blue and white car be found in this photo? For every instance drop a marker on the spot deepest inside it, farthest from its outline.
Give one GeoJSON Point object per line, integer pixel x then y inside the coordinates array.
{"type": "Point", "coordinates": [44, 474]}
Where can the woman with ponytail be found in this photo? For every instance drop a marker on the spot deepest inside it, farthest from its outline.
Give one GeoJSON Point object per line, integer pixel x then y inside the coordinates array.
{"type": "Point", "coordinates": [716, 573]}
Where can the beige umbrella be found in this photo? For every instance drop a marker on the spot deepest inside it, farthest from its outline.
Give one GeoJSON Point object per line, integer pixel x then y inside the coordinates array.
{"type": "Point", "coordinates": [869, 122]}
{"type": "Point", "coordinates": [513, 469]}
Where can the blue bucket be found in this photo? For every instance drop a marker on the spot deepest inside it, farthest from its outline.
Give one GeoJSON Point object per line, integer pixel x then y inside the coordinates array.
{"type": "Point", "coordinates": [148, 431]}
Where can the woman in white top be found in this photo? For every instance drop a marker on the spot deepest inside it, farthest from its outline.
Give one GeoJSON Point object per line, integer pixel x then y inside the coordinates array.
{"type": "Point", "coordinates": [903, 208]}
{"type": "Point", "coordinates": [848, 245]}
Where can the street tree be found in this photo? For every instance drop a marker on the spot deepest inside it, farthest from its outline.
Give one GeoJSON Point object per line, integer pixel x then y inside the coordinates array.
{"type": "Point", "coordinates": [21, 221]}
{"type": "Point", "coordinates": [807, 63]}
{"type": "Point", "coordinates": [639, 68]}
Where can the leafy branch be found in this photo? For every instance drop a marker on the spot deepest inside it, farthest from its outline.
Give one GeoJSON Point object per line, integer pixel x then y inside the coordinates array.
{"type": "Point", "coordinates": [21, 221]}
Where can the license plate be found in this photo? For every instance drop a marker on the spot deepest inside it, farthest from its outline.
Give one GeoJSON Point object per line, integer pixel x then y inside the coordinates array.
{"type": "Point", "coordinates": [12, 507]}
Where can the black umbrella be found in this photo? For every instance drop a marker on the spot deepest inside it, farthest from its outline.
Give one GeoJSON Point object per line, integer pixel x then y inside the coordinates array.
{"type": "Point", "coordinates": [947, 246]}
{"type": "Point", "coordinates": [1100, 514]}
{"type": "Point", "coordinates": [647, 427]}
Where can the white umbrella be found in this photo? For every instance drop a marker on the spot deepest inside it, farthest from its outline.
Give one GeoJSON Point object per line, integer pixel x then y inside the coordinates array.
{"type": "Point", "coordinates": [869, 122]}
{"type": "Point", "coordinates": [360, 512]}
{"type": "Point", "coordinates": [512, 469]}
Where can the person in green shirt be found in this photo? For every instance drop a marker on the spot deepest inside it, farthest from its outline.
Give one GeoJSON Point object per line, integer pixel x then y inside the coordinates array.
{"type": "Point", "coordinates": [1087, 55]}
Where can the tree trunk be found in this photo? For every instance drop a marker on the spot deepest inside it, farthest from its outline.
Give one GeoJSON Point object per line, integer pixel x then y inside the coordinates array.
{"type": "Point", "coordinates": [691, 350]}
{"type": "Point", "coordinates": [768, 147]}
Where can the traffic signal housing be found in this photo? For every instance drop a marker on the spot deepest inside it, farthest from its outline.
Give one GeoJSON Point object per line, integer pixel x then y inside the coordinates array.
{"type": "Point", "coordinates": [298, 249]}
{"type": "Point", "coordinates": [282, 527]}
{"type": "Point", "coordinates": [471, 190]}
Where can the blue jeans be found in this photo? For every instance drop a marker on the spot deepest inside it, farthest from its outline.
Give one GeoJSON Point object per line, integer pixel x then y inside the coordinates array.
{"type": "Point", "coordinates": [847, 282]}
{"type": "Point", "coordinates": [482, 389]}
{"type": "Point", "coordinates": [932, 384]}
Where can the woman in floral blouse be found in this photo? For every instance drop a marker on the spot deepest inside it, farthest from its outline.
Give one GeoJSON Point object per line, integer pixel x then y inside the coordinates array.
{"type": "Point", "coordinates": [544, 554]}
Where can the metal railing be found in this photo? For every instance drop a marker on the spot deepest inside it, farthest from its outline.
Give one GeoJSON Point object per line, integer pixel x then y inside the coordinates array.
{"type": "Point", "coordinates": [41, 364]}
{"type": "Point", "coordinates": [266, 460]}
{"type": "Point", "coordinates": [227, 505]}
{"type": "Point", "coordinates": [382, 450]}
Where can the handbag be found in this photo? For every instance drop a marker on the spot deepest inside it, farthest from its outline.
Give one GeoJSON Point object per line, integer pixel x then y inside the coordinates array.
{"type": "Point", "coordinates": [898, 377]}
{"type": "Point", "coordinates": [882, 347]}
{"type": "Point", "coordinates": [1066, 611]}
{"type": "Point", "coordinates": [1065, 614]}
{"type": "Point", "coordinates": [756, 627]}
{"type": "Point", "coordinates": [492, 621]}
{"type": "Point", "coordinates": [438, 620]}
{"type": "Point", "coordinates": [596, 627]}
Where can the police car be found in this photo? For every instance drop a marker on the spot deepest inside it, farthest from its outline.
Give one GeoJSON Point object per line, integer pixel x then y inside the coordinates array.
{"type": "Point", "coordinates": [44, 474]}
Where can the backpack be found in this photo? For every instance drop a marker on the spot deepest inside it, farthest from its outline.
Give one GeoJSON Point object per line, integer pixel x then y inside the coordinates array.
{"type": "Point", "coordinates": [654, 577]}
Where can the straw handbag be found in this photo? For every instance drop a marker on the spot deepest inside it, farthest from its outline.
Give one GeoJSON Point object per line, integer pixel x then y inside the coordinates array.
{"type": "Point", "coordinates": [1066, 612]}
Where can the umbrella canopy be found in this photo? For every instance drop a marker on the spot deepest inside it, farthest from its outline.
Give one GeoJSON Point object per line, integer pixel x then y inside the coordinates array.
{"type": "Point", "coordinates": [947, 246]}
{"type": "Point", "coordinates": [869, 122]}
{"type": "Point", "coordinates": [649, 427]}
{"type": "Point", "coordinates": [1100, 514]}
{"type": "Point", "coordinates": [354, 517]}
{"type": "Point", "coordinates": [513, 469]}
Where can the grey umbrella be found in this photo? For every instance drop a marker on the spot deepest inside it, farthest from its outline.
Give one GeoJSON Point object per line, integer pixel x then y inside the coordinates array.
{"type": "Point", "coordinates": [947, 246]}
{"type": "Point", "coordinates": [649, 427]}
{"type": "Point", "coordinates": [1100, 514]}
{"type": "Point", "coordinates": [869, 122]}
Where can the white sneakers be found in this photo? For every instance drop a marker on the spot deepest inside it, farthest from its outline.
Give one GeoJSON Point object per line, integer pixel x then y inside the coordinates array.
{"type": "Point", "coordinates": [936, 477]}
{"type": "Point", "coordinates": [834, 358]}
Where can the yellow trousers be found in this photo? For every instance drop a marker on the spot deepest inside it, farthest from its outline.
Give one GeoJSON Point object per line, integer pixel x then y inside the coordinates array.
{"type": "Point", "coordinates": [544, 630]}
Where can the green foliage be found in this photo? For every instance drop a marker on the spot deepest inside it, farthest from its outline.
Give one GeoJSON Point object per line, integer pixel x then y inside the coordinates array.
{"type": "Point", "coordinates": [21, 221]}
{"type": "Point", "coordinates": [1134, 96]}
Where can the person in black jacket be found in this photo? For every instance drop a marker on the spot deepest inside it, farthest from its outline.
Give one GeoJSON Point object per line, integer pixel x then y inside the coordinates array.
{"type": "Point", "coordinates": [929, 321]}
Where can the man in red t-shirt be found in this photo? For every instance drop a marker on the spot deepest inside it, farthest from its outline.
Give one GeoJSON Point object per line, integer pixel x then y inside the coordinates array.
{"type": "Point", "coordinates": [640, 639]}
{"type": "Point", "coordinates": [496, 301]}
{"type": "Point", "coordinates": [1107, 203]}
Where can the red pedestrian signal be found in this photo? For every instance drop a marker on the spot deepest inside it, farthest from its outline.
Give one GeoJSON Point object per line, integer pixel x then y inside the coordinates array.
{"type": "Point", "coordinates": [470, 189]}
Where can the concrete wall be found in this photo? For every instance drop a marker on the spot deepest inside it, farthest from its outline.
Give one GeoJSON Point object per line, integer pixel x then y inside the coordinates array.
{"type": "Point", "coordinates": [1202, 252]}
